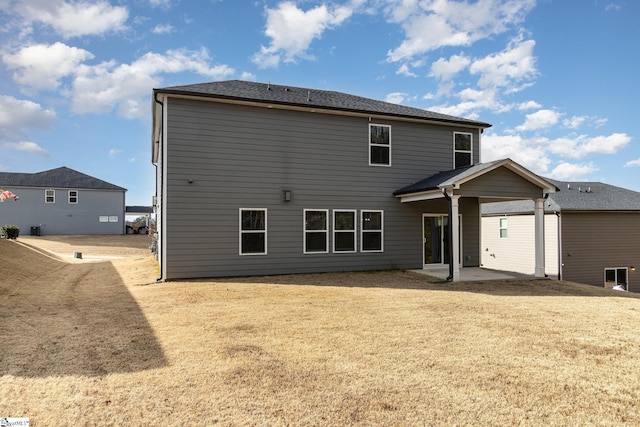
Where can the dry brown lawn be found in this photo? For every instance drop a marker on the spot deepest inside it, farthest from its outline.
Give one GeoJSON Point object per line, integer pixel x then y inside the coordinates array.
{"type": "Point", "coordinates": [98, 342]}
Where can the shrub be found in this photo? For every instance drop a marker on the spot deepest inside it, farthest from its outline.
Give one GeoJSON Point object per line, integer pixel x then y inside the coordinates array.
{"type": "Point", "coordinates": [9, 231]}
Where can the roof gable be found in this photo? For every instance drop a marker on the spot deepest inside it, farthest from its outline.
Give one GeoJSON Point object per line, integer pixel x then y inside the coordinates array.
{"type": "Point", "coordinates": [455, 178]}
{"type": "Point", "coordinates": [62, 177]}
{"type": "Point", "coordinates": [238, 90]}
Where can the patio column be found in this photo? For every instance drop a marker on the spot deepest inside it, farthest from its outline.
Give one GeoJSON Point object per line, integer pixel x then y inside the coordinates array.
{"type": "Point", "coordinates": [455, 238]}
{"type": "Point", "coordinates": [539, 237]}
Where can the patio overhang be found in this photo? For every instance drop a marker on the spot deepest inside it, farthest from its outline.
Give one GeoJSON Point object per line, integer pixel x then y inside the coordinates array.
{"type": "Point", "coordinates": [499, 180]}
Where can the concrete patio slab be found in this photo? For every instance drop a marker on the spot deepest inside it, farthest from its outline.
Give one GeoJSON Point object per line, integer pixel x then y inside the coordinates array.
{"type": "Point", "coordinates": [473, 274]}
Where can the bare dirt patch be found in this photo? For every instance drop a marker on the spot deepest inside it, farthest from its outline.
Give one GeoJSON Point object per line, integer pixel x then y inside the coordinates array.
{"type": "Point", "coordinates": [101, 343]}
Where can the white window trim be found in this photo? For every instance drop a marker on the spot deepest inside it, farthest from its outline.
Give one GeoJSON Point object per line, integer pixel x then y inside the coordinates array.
{"type": "Point", "coordinates": [462, 151]}
{"type": "Point", "coordinates": [362, 231]}
{"type": "Point", "coordinates": [616, 271]}
{"type": "Point", "coordinates": [241, 232]}
{"type": "Point", "coordinates": [76, 196]}
{"type": "Point", "coordinates": [505, 228]}
{"type": "Point", "coordinates": [379, 145]}
{"type": "Point", "coordinates": [46, 196]}
{"type": "Point", "coordinates": [354, 231]}
{"type": "Point", "coordinates": [304, 231]}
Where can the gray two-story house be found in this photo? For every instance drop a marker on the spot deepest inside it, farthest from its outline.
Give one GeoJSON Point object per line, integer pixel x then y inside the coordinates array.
{"type": "Point", "coordinates": [256, 179]}
{"type": "Point", "coordinates": [62, 201]}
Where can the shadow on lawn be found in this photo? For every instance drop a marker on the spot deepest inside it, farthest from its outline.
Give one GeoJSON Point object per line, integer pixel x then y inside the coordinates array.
{"type": "Point", "coordinates": [400, 279]}
{"type": "Point", "coordinates": [74, 319]}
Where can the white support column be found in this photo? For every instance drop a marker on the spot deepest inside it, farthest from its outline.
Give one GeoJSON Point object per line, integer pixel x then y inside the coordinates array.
{"type": "Point", "coordinates": [539, 237]}
{"type": "Point", "coordinates": [455, 238]}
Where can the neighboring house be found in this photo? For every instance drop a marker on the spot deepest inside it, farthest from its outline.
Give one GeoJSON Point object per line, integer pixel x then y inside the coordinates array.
{"type": "Point", "coordinates": [592, 235]}
{"type": "Point", "coordinates": [62, 201]}
{"type": "Point", "coordinates": [256, 179]}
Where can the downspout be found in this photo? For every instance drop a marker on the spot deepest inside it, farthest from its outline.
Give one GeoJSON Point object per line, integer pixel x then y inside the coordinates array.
{"type": "Point", "coordinates": [560, 263]}
{"type": "Point", "coordinates": [159, 201]}
{"type": "Point", "coordinates": [450, 229]}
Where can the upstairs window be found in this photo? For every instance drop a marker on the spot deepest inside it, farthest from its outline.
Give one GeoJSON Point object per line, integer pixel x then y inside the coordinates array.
{"type": "Point", "coordinates": [73, 196]}
{"type": "Point", "coordinates": [462, 149]}
{"type": "Point", "coordinates": [49, 196]}
{"type": "Point", "coordinates": [344, 231]}
{"type": "Point", "coordinates": [316, 232]}
{"type": "Point", "coordinates": [379, 145]}
{"type": "Point", "coordinates": [371, 233]}
{"type": "Point", "coordinates": [253, 231]}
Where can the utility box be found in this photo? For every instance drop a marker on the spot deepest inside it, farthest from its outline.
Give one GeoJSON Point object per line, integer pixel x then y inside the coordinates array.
{"type": "Point", "coordinates": [35, 230]}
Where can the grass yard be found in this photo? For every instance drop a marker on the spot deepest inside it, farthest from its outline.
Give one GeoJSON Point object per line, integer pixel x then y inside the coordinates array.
{"type": "Point", "coordinates": [97, 342]}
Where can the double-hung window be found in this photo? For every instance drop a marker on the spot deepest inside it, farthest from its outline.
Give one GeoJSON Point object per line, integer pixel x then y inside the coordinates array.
{"type": "Point", "coordinates": [379, 145]}
{"type": "Point", "coordinates": [371, 231]}
{"type": "Point", "coordinates": [49, 196]}
{"type": "Point", "coordinates": [344, 231]}
{"type": "Point", "coordinates": [73, 197]}
{"type": "Point", "coordinates": [462, 149]}
{"type": "Point", "coordinates": [504, 227]}
{"type": "Point", "coordinates": [253, 231]}
{"type": "Point", "coordinates": [316, 231]}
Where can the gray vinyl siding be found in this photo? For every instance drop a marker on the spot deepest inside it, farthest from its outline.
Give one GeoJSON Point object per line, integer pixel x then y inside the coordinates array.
{"type": "Point", "coordinates": [594, 241]}
{"type": "Point", "coordinates": [243, 157]}
{"type": "Point", "coordinates": [500, 181]}
{"type": "Point", "coordinates": [63, 217]}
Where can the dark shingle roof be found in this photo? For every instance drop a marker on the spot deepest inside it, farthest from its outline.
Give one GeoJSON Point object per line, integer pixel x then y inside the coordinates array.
{"type": "Point", "coordinates": [433, 182]}
{"type": "Point", "coordinates": [138, 209]}
{"type": "Point", "coordinates": [62, 177]}
{"type": "Point", "coordinates": [575, 196]}
{"type": "Point", "coordinates": [294, 96]}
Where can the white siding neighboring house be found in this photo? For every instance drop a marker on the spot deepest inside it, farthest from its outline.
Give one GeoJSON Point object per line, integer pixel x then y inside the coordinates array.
{"type": "Point", "coordinates": [62, 201]}
{"type": "Point", "coordinates": [592, 235]}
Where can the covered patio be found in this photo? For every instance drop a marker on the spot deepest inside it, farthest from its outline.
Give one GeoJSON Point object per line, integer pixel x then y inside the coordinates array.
{"type": "Point", "coordinates": [500, 180]}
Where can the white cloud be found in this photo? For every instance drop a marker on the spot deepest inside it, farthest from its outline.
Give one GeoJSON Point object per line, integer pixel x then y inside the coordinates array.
{"type": "Point", "coordinates": [445, 69]}
{"type": "Point", "coordinates": [531, 153]}
{"type": "Point", "coordinates": [613, 7]}
{"type": "Point", "coordinates": [162, 29]}
{"type": "Point", "coordinates": [539, 120]}
{"type": "Point", "coordinates": [292, 30]}
{"type": "Point", "coordinates": [73, 19]}
{"type": "Point", "coordinates": [18, 115]}
{"type": "Point", "coordinates": [632, 163]}
{"type": "Point", "coordinates": [406, 71]}
{"type": "Point", "coordinates": [582, 145]}
{"type": "Point", "coordinates": [41, 66]}
{"type": "Point", "coordinates": [123, 87]}
{"type": "Point", "coordinates": [28, 147]}
{"type": "Point", "coordinates": [572, 171]}
{"type": "Point", "coordinates": [471, 100]}
{"type": "Point", "coordinates": [509, 67]}
{"type": "Point", "coordinates": [160, 3]}
{"type": "Point", "coordinates": [432, 24]}
{"type": "Point", "coordinates": [529, 105]}
{"type": "Point", "coordinates": [396, 97]}
{"type": "Point", "coordinates": [114, 152]}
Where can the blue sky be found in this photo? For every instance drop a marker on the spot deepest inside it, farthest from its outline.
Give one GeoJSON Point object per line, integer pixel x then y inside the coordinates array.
{"type": "Point", "coordinates": [556, 78]}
